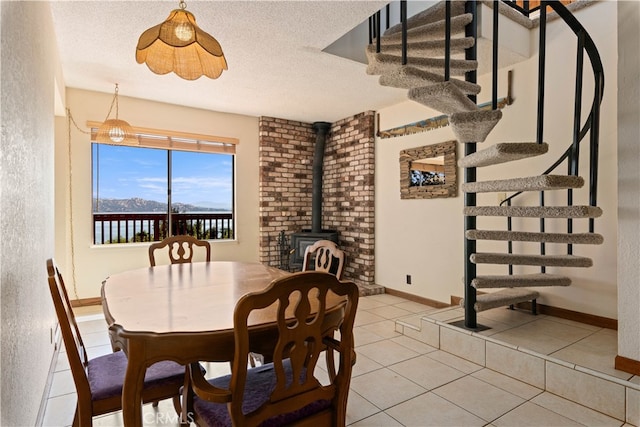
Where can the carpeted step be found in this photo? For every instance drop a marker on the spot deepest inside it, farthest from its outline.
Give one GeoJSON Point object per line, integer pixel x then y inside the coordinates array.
{"type": "Point", "coordinates": [525, 236]}
{"type": "Point", "coordinates": [426, 32]}
{"type": "Point", "coordinates": [444, 97]}
{"type": "Point", "coordinates": [474, 126]}
{"type": "Point", "coordinates": [523, 259]}
{"type": "Point", "coordinates": [503, 298]}
{"type": "Point", "coordinates": [502, 153]}
{"type": "Point", "coordinates": [381, 63]}
{"type": "Point", "coordinates": [535, 211]}
{"type": "Point", "coordinates": [408, 77]}
{"type": "Point", "coordinates": [520, 280]}
{"type": "Point", "coordinates": [428, 16]}
{"type": "Point", "coordinates": [433, 48]}
{"type": "Point", "coordinates": [531, 183]}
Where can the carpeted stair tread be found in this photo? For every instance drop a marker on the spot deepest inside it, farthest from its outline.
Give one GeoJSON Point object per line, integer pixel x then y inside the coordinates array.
{"type": "Point", "coordinates": [426, 32]}
{"type": "Point", "coordinates": [433, 48]}
{"type": "Point", "coordinates": [526, 236]}
{"type": "Point", "coordinates": [520, 280]}
{"type": "Point", "coordinates": [503, 298]}
{"type": "Point", "coordinates": [380, 63]}
{"type": "Point", "coordinates": [523, 259]}
{"type": "Point", "coordinates": [531, 183]}
{"type": "Point", "coordinates": [535, 211]}
{"type": "Point", "coordinates": [433, 14]}
{"type": "Point", "coordinates": [444, 97]}
{"type": "Point", "coordinates": [503, 152]}
{"type": "Point", "coordinates": [474, 126]}
{"type": "Point", "coordinates": [407, 77]}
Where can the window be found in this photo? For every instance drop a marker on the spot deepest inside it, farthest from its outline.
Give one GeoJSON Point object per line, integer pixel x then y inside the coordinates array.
{"type": "Point", "coordinates": [165, 186]}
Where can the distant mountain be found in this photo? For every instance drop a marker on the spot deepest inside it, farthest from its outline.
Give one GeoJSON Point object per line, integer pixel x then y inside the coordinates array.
{"type": "Point", "coordinates": [137, 204]}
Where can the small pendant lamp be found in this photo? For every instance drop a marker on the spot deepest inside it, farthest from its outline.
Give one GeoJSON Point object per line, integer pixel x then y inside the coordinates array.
{"type": "Point", "coordinates": [116, 131]}
{"type": "Point", "coordinates": [179, 45]}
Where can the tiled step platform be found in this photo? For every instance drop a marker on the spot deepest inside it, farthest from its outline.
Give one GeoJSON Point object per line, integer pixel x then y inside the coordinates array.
{"type": "Point", "coordinates": [566, 358]}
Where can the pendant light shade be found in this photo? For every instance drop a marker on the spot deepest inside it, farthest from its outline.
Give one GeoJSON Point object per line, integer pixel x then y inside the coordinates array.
{"type": "Point", "coordinates": [179, 45]}
{"type": "Point", "coordinates": [116, 131]}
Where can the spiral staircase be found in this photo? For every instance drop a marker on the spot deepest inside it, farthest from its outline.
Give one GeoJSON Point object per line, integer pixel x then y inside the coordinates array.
{"type": "Point", "coordinates": [424, 57]}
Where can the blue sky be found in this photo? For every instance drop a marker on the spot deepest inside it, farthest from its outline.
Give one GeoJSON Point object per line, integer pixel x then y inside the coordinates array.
{"type": "Point", "coordinates": [202, 179]}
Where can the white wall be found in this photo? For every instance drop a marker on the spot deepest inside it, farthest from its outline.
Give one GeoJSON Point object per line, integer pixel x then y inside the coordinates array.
{"type": "Point", "coordinates": [29, 67]}
{"type": "Point", "coordinates": [93, 263]}
{"type": "Point", "coordinates": [424, 238]}
{"type": "Point", "coordinates": [629, 179]}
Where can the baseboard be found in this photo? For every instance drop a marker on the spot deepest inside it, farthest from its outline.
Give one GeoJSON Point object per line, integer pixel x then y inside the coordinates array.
{"type": "Point", "coordinates": [416, 298]}
{"type": "Point", "coordinates": [576, 316]}
{"type": "Point", "coordinates": [627, 365]}
{"type": "Point", "coordinates": [563, 313]}
{"type": "Point", "coordinates": [86, 301]}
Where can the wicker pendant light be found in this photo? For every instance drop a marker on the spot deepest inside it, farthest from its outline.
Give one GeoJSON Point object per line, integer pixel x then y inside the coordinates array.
{"type": "Point", "coordinates": [179, 45]}
{"type": "Point", "coordinates": [116, 131]}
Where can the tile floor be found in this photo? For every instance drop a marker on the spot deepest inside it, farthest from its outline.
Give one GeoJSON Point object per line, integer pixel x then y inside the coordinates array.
{"type": "Point", "coordinates": [400, 381]}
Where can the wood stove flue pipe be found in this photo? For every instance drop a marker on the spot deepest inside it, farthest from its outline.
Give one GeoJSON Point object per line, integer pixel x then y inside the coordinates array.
{"type": "Point", "coordinates": [321, 129]}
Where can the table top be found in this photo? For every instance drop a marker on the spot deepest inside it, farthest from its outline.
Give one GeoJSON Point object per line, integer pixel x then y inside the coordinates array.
{"type": "Point", "coordinates": [189, 298]}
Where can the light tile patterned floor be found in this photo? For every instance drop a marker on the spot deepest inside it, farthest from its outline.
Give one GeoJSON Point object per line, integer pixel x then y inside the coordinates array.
{"type": "Point", "coordinates": [399, 381]}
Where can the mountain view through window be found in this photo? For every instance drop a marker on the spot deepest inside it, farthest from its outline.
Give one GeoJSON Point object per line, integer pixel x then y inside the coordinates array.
{"type": "Point", "coordinates": [147, 194]}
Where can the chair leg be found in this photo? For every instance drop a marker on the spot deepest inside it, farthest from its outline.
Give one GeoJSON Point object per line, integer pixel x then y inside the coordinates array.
{"type": "Point", "coordinates": [76, 418]}
{"type": "Point", "coordinates": [82, 418]}
{"type": "Point", "coordinates": [255, 358]}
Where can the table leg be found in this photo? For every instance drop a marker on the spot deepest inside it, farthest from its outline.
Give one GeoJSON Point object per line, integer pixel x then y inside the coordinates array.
{"type": "Point", "coordinates": [132, 387]}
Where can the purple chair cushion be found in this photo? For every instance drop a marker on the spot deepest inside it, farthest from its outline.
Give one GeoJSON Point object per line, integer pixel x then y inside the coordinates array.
{"type": "Point", "coordinates": [260, 383]}
{"type": "Point", "coordinates": [106, 375]}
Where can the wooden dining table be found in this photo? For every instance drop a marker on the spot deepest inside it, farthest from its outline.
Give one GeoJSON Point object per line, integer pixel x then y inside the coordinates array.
{"type": "Point", "coordinates": [184, 313]}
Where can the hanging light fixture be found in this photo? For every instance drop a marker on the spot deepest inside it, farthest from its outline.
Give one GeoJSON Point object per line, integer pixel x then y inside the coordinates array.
{"type": "Point", "coordinates": [179, 45]}
{"type": "Point", "coordinates": [116, 131]}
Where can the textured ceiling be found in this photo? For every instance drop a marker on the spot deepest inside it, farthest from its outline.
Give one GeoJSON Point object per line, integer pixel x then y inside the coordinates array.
{"type": "Point", "coordinates": [273, 49]}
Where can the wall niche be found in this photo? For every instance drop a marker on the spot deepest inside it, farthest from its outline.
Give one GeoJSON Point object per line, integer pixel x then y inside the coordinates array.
{"type": "Point", "coordinates": [429, 172]}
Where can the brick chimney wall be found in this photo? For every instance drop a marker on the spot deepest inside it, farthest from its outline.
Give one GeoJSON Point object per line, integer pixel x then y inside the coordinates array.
{"type": "Point", "coordinates": [285, 161]}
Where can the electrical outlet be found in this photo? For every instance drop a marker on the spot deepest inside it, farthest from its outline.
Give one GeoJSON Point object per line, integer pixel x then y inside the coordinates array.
{"type": "Point", "coordinates": [501, 197]}
{"type": "Point", "coordinates": [408, 279]}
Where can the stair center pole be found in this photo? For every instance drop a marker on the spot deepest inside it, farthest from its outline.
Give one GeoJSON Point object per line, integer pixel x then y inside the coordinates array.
{"type": "Point", "coordinates": [470, 315]}
{"type": "Point", "coordinates": [403, 19]}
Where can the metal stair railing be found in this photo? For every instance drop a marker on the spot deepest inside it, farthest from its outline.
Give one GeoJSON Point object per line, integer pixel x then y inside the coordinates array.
{"type": "Point", "coordinates": [591, 125]}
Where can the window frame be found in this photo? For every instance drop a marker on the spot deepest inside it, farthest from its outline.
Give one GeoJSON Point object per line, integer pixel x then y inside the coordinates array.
{"type": "Point", "coordinates": [170, 141]}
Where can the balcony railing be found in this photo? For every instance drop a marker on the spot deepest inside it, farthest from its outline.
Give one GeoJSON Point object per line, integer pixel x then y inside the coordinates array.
{"type": "Point", "coordinates": [128, 227]}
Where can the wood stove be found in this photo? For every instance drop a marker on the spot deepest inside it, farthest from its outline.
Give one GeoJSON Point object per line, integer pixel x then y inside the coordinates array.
{"type": "Point", "coordinates": [307, 237]}
{"type": "Point", "coordinates": [300, 241]}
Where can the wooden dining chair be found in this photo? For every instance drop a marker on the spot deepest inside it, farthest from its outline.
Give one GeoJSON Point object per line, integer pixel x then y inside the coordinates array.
{"type": "Point", "coordinates": [286, 391]}
{"type": "Point", "coordinates": [325, 256]}
{"type": "Point", "coordinates": [99, 381]}
{"type": "Point", "coordinates": [180, 249]}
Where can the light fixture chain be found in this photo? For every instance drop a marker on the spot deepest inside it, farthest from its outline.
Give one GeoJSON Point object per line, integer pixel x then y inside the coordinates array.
{"type": "Point", "coordinates": [116, 98]}
{"type": "Point", "coordinates": [113, 101]}
{"type": "Point", "coordinates": [75, 124]}
{"type": "Point", "coordinates": [71, 237]}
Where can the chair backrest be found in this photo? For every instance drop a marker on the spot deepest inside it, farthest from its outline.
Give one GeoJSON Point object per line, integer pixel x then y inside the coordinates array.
{"type": "Point", "coordinates": [328, 258]}
{"type": "Point", "coordinates": [75, 349]}
{"type": "Point", "coordinates": [180, 249]}
{"type": "Point", "coordinates": [305, 328]}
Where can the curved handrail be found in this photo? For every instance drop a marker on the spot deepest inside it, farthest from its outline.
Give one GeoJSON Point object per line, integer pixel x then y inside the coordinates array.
{"type": "Point", "coordinates": [598, 75]}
